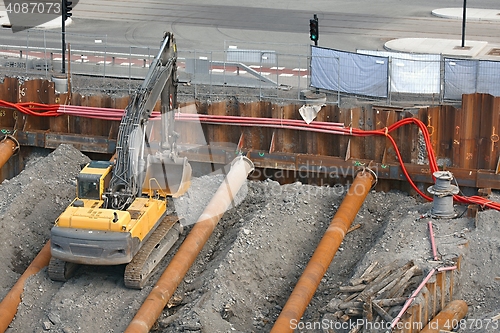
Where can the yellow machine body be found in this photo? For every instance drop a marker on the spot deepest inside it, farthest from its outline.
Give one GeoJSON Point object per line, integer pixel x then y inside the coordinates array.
{"type": "Point", "coordinates": [86, 233]}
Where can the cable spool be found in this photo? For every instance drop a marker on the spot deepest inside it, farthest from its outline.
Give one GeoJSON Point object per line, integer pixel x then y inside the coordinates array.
{"type": "Point", "coordinates": [443, 191]}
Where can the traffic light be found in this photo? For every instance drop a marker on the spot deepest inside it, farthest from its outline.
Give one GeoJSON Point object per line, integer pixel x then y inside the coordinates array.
{"type": "Point", "coordinates": [67, 9]}
{"type": "Point", "coordinates": [314, 29]}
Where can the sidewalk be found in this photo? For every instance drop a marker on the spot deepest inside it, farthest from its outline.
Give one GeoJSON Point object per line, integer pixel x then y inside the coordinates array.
{"type": "Point", "coordinates": [452, 47]}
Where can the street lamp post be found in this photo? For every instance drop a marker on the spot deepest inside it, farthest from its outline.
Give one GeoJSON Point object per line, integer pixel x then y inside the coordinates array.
{"type": "Point", "coordinates": [463, 23]}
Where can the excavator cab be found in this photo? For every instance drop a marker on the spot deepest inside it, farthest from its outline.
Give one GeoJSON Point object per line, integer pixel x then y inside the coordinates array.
{"type": "Point", "coordinates": [93, 179]}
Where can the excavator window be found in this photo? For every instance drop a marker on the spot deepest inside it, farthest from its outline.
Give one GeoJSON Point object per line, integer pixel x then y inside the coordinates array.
{"type": "Point", "coordinates": [88, 188]}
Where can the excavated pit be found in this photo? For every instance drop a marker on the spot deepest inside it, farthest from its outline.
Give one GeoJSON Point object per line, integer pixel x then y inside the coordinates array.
{"type": "Point", "coordinates": [245, 273]}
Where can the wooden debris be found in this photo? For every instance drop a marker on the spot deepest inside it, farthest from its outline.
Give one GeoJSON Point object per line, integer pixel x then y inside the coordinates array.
{"type": "Point", "coordinates": [402, 283]}
{"type": "Point", "coordinates": [369, 269]}
{"type": "Point", "coordinates": [381, 312]}
{"type": "Point", "coordinates": [353, 296]}
{"type": "Point", "coordinates": [372, 276]}
{"type": "Point", "coordinates": [345, 318]}
{"type": "Point", "coordinates": [354, 312]}
{"type": "Point", "coordinates": [391, 301]}
{"type": "Point", "coordinates": [384, 280]}
{"type": "Point", "coordinates": [347, 305]}
{"type": "Point", "coordinates": [338, 314]}
{"type": "Point", "coordinates": [352, 289]}
{"type": "Point", "coordinates": [367, 310]}
{"type": "Point", "coordinates": [399, 293]}
{"type": "Point", "coordinates": [356, 329]}
{"type": "Point", "coordinates": [357, 226]}
{"type": "Point", "coordinates": [377, 293]}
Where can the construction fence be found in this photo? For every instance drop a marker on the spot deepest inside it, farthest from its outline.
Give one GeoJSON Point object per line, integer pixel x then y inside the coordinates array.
{"type": "Point", "coordinates": [382, 74]}
{"type": "Point", "coordinates": [271, 70]}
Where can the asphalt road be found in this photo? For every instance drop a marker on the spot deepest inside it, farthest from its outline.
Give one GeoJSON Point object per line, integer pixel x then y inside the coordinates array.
{"type": "Point", "coordinates": [284, 24]}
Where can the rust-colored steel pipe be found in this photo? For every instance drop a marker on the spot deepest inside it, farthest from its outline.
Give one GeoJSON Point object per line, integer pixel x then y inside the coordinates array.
{"type": "Point", "coordinates": [8, 306]}
{"type": "Point", "coordinates": [8, 147]}
{"type": "Point", "coordinates": [181, 262]}
{"type": "Point", "coordinates": [448, 318]}
{"type": "Point", "coordinates": [324, 253]}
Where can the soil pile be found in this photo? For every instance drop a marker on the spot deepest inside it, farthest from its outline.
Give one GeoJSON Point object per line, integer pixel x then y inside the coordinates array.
{"type": "Point", "coordinates": [247, 270]}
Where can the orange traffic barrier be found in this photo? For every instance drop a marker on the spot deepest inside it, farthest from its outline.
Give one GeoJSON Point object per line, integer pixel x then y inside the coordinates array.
{"type": "Point", "coordinates": [8, 306]}
{"type": "Point", "coordinates": [179, 265]}
{"type": "Point", "coordinates": [8, 147]}
{"type": "Point", "coordinates": [448, 318]}
{"type": "Point", "coordinates": [324, 253]}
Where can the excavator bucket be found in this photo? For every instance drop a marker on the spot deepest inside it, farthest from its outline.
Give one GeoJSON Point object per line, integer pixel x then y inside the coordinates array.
{"type": "Point", "coordinates": [172, 176]}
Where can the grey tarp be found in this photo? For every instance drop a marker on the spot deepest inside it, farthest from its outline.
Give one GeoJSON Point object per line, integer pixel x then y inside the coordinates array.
{"type": "Point", "coordinates": [459, 77]}
{"type": "Point", "coordinates": [412, 73]}
{"type": "Point", "coordinates": [488, 77]}
{"type": "Point", "coordinates": [349, 72]}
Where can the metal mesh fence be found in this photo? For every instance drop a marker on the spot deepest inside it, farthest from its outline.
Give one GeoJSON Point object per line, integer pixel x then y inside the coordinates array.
{"type": "Point", "coordinates": [257, 70]}
{"type": "Point", "coordinates": [265, 74]}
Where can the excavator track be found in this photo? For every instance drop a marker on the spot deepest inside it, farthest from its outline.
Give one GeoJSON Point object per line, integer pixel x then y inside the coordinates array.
{"type": "Point", "coordinates": [60, 270]}
{"type": "Point", "coordinates": [149, 256]}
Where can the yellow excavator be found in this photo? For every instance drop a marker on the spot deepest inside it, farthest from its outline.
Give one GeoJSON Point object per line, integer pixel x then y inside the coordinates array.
{"type": "Point", "coordinates": [119, 215]}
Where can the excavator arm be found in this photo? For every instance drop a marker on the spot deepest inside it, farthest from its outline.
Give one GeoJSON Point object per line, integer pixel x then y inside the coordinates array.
{"type": "Point", "coordinates": [129, 171]}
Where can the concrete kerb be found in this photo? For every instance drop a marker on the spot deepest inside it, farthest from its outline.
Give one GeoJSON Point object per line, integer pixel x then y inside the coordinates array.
{"type": "Point", "coordinates": [437, 46]}
{"type": "Point", "coordinates": [450, 47]}
{"type": "Point", "coordinates": [472, 14]}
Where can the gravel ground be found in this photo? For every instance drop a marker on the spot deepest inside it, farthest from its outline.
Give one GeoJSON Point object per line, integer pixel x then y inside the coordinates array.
{"type": "Point", "coordinates": [246, 271]}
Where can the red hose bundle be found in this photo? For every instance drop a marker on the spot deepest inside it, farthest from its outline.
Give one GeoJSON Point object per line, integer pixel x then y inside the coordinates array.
{"type": "Point", "coordinates": [37, 109]}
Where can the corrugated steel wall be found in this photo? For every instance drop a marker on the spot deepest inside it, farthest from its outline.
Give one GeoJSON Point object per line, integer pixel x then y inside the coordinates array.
{"type": "Point", "coordinates": [467, 137]}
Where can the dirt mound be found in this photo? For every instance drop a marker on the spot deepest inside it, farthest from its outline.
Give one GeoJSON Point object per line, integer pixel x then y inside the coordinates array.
{"type": "Point", "coordinates": [245, 273]}
{"type": "Point", "coordinates": [29, 205]}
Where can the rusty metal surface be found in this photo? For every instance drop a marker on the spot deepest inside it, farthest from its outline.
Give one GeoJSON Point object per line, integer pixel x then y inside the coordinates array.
{"type": "Point", "coordinates": [323, 255]}
{"type": "Point", "coordinates": [92, 144]}
{"type": "Point", "coordinates": [450, 316]}
{"type": "Point", "coordinates": [179, 265]}
{"type": "Point", "coordinates": [206, 154]}
{"type": "Point", "coordinates": [437, 295]}
{"type": "Point", "coordinates": [31, 138]}
{"type": "Point", "coordinates": [8, 147]}
{"type": "Point", "coordinates": [8, 306]}
{"type": "Point", "coordinates": [465, 139]}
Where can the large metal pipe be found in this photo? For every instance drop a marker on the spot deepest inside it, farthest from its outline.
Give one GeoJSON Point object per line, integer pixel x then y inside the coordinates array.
{"type": "Point", "coordinates": [8, 147]}
{"type": "Point", "coordinates": [324, 253]}
{"type": "Point", "coordinates": [8, 306]}
{"type": "Point", "coordinates": [191, 247]}
{"type": "Point", "coordinates": [448, 318]}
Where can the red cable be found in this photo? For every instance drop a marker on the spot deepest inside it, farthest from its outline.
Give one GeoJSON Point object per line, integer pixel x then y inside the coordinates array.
{"type": "Point", "coordinates": [38, 109]}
